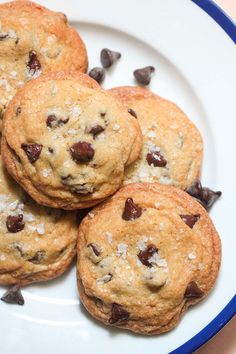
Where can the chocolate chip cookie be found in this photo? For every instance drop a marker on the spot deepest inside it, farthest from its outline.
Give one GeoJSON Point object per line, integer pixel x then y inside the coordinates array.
{"type": "Point", "coordinates": [144, 256]}
{"type": "Point", "coordinates": [67, 141]}
{"type": "Point", "coordinates": [36, 243]}
{"type": "Point", "coordinates": [172, 145]}
{"type": "Point", "coordinates": [34, 40]}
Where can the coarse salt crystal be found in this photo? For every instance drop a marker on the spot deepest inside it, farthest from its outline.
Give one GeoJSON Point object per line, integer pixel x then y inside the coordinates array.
{"type": "Point", "coordinates": [2, 257]}
{"type": "Point", "coordinates": [116, 127]}
{"type": "Point", "coordinates": [141, 245]}
{"type": "Point", "coordinates": [76, 110]}
{"type": "Point", "coordinates": [138, 262]}
{"type": "Point", "coordinates": [122, 250]}
{"type": "Point", "coordinates": [105, 279]}
{"type": "Point", "coordinates": [72, 131]}
{"type": "Point", "coordinates": [13, 74]}
{"type": "Point", "coordinates": [157, 205]}
{"type": "Point", "coordinates": [29, 217]}
{"type": "Point", "coordinates": [191, 255]}
{"type": "Point", "coordinates": [40, 229]}
{"type": "Point", "coordinates": [151, 134]}
{"type": "Point", "coordinates": [109, 237]}
{"type": "Point", "coordinates": [91, 215]}
{"type": "Point", "coordinates": [45, 172]}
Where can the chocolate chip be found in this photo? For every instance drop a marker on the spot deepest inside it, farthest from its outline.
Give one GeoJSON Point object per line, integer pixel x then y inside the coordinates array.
{"type": "Point", "coordinates": [145, 255]}
{"type": "Point", "coordinates": [109, 57]}
{"type": "Point", "coordinates": [98, 74]}
{"type": "Point", "coordinates": [203, 195]}
{"type": "Point", "coordinates": [190, 220]}
{"type": "Point", "coordinates": [18, 111]}
{"type": "Point", "coordinates": [53, 122]}
{"type": "Point", "coordinates": [102, 114]}
{"type": "Point", "coordinates": [95, 130]}
{"type": "Point", "coordinates": [118, 314]}
{"type": "Point", "coordinates": [33, 63]}
{"type": "Point", "coordinates": [156, 159]}
{"type": "Point", "coordinates": [32, 151]}
{"type": "Point", "coordinates": [82, 151]}
{"type": "Point", "coordinates": [193, 290]}
{"type": "Point", "coordinates": [132, 211]}
{"type": "Point", "coordinates": [3, 36]}
{"type": "Point", "coordinates": [143, 75]}
{"type": "Point", "coordinates": [132, 112]}
{"type": "Point", "coordinates": [15, 223]}
{"type": "Point", "coordinates": [96, 249]}
{"type": "Point", "coordinates": [38, 257]}
{"type": "Point", "coordinates": [13, 296]}
{"type": "Point", "coordinates": [51, 150]}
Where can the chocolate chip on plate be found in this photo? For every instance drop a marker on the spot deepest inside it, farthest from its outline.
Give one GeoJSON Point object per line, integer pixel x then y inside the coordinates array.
{"type": "Point", "coordinates": [15, 223]}
{"type": "Point", "coordinates": [32, 151]}
{"type": "Point", "coordinates": [82, 151]}
{"type": "Point", "coordinates": [132, 112]}
{"type": "Point", "coordinates": [203, 195]}
{"type": "Point", "coordinates": [145, 255]}
{"type": "Point", "coordinates": [156, 159]}
{"type": "Point", "coordinates": [190, 220]}
{"type": "Point", "coordinates": [118, 314]}
{"type": "Point", "coordinates": [96, 249]}
{"type": "Point", "coordinates": [95, 130]}
{"type": "Point", "coordinates": [98, 74]}
{"type": "Point", "coordinates": [33, 62]}
{"type": "Point", "coordinates": [38, 257]}
{"type": "Point", "coordinates": [193, 290]}
{"type": "Point", "coordinates": [13, 296]}
{"type": "Point", "coordinates": [109, 57]}
{"type": "Point", "coordinates": [131, 211]}
{"type": "Point", "coordinates": [143, 75]}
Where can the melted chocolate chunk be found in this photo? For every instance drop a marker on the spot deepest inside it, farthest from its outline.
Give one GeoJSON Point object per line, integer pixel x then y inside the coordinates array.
{"type": "Point", "coordinates": [53, 122]}
{"type": "Point", "coordinates": [109, 57]}
{"type": "Point", "coordinates": [95, 130]}
{"type": "Point", "coordinates": [82, 152]}
{"type": "Point", "coordinates": [190, 220]}
{"type": "Point", "coordinates": [156, 159]}
{"type": "Point", "coordinates": [203, 195]}
{"type": "Point", "coordinates": [118, 314]}
{"type": "Point", "coordinates": [143, 75]}
{"type": "Point", "coordinates": [38, 257]}
{"type": "Point", "coordinates": [33, 62]}
{"type": "Point", "coordinates": [3, 36]}
{"type": "Point", "coordinates": [95, 248]}
{"type": "Point", "coordinates": [146, 254]}
{"type": "Point", "coordinates": [132, 211]}
{"type": "Point", "coordinates": [15, 223]}
{"type": "Point", "coordinates": [18, 111]}
{"type": "Point", "coordinates": [193, 290]}
{"type": "Point", "coordinates": [98, 74]}
{"type": "Point", "coordinates": [32, 151]}
{"type": "Point", "coordinates": [132, 112]}
{"type": "Point", "coordinates": [13, 296]}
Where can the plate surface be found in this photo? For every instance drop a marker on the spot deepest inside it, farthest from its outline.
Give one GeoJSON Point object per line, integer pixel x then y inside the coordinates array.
{"type": "Point", "coordinates": [195, 67]}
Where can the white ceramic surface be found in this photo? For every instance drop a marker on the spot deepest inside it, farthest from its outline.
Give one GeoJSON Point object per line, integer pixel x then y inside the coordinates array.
{"type": "Point", "coordinates": [195, 67]}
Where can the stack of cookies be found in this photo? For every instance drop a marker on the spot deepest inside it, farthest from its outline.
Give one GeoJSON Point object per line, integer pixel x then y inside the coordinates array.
{"type": "Point", "coordinates": [148, 249]}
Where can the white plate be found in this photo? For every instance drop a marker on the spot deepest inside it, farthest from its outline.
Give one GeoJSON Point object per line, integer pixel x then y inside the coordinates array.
{"type": "Point", "coordinates": [195, 67]}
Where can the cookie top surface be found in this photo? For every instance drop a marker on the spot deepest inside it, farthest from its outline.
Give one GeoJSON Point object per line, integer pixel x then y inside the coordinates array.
{"type": "Point", "coordinates": [35, 40]}
{"type": "Point", "coordinates": [36, 243]}
{"type": "Point", "coordinates": [144, 256]}
{"type": "Point", "coordinates": [66, 141]}
{"type": "Point", "coordinates": [172, 145]}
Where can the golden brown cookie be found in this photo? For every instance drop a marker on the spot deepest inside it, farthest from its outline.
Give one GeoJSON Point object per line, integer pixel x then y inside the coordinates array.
{"type": "Point", "coordinates": [172, 145]}
{"type": "Point", "coordinates": [144, 256]}
{"type": "Point", "coordinates": [36, 243]}
{"type": "Point", "coordinates": [35, 40]}
{"type": "Point", "coordinates": [67, 141]}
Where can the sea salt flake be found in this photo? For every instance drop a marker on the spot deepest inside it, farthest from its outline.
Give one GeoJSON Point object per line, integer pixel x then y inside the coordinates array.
{"type": "Point", "coordinates": [192, 255]}
{"type": "Point", "coordinates": [40, 229]}
{"type": "Point", "coordinates": [31, 228]}
{"type": "Point", "coordinates": [45, 172]}
{"type": "Point", "coordinates": [116, 127]}
{"type": "Point", "coordinates": [109, 236]}
{"type": "Point", "coordinates": [91, 215]}
{"type": "Point", "coordinates": [141, 245]}
{"type": "Point", "coordinates": [72, 131]}
{"type": "Point", "coordinates": [13, 74]}
{"type": "Point", "coordinates": [157, 205]}
{"type": "Point", "coordinates": [139, 263]}
{"type": "Point", "coordinates": [122, 250]}
{"type": "Point", "coordinates": [2, 257]}
{"type": "Point", "coordinates": [151, 134]}
{"type": "Point", "coordinates": [29, 217]}
{"type": "Point", "coordinates": [105, 279]}
{"type": "Point", "coordinates": [76, 110]}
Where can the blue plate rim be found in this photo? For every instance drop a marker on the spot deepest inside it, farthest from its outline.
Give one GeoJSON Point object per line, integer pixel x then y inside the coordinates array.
{"type": "Point", "coordinates": [228, 25]}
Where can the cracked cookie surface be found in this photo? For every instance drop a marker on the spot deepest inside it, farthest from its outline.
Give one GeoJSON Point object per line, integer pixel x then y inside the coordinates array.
{"type": "Point", "coordinates": [144, 256]}
{"type": "Point", "coordinates": [35, 40]}
{"type": "Point", "coordinates": [36, 243]}
{"type": "Point", "coordinates": [67, 141]}
{"type": "Point", "coordinates": [172, 145]}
